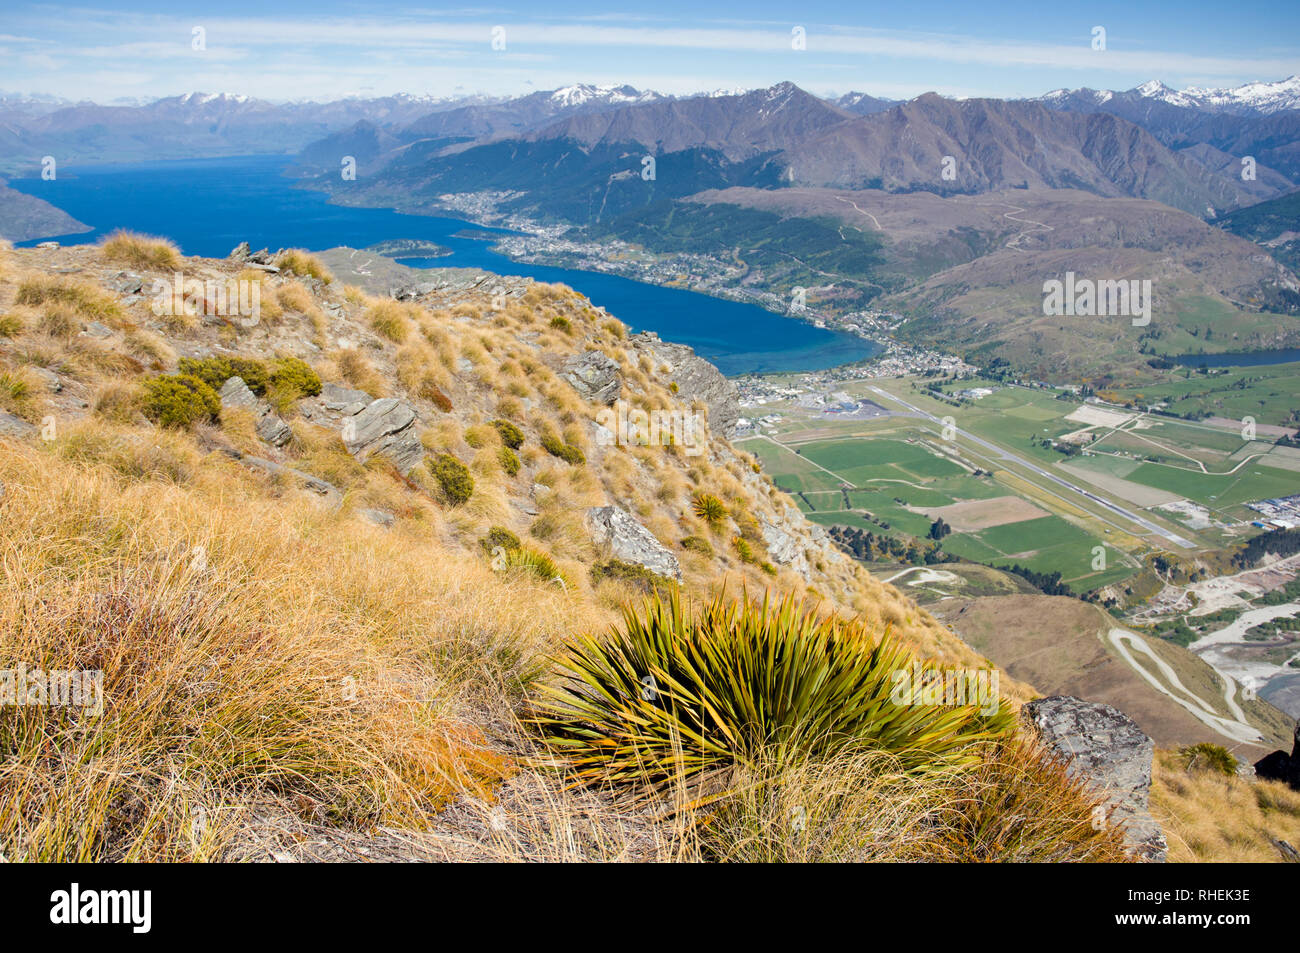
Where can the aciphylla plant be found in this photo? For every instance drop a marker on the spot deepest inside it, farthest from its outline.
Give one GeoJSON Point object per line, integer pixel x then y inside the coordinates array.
{"type": "Point", "coordinates": [709, 508]}
{"type": "Point", "coordinates": [680, 696]}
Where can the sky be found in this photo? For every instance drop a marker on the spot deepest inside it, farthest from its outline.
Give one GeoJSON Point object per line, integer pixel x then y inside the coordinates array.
{"type": "Point", "coordinates": [325, 49]}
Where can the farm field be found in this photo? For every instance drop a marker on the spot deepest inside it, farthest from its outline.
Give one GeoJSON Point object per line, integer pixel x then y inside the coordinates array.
{"type": "Point", "coordinates": [896, 475]}
{"type": "Point", "coordinates": [1270, 394]}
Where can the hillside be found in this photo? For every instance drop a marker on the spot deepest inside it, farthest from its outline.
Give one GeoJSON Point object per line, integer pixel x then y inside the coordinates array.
{"type": "Point", "coordinates": [1275, 224]}
{"type": "Point", "coordinates": [325, 596]}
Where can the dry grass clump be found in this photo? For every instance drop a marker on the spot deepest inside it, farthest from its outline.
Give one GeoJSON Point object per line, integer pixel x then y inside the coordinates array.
{"type": "Point", "coordinates": [296, 261]}
{"type": "Point", "coordinates": [293, 296]}
{"type": "Point", "coordinates": [82, 299]}
{"type": "Point", "coordinates": [389, 319]}
{"type": "Point", "coordinates": [1210, 817]}
{"type": "Point", "coordinates": [268, 296]}
{"type": "Point", "coordinates": [141, 251]}
{"type": "Point", "coordinates": [352, 367]}
{"type": "Point", "coordinates": [251, 650]}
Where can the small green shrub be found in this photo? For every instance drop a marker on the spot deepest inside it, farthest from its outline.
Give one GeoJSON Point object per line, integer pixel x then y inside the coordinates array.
{"type": "Point", "coordinates": [638, 577]}
{"type": "Point", "coordinates": [697, 544]}
{"type": "Point", "coordinates": [215, 371]}
{"type": "Point", "coordinates": [565, 451]}
{"type": "Point", "coordinates": [511, 435]}
{"type": "Point", "coordinates": [179, 400]}
{"type": "Point", "coordinates": [1208, 757]}
{"type": "Point", "coordinates": [743, 549]}
{"type": "Point", "coordinates": [14, 391]}
{"type": "Point", "coordinates": [289, 375]}
{"type": "Point", "coordinates": [561, 323]}
{"type": "Point", "coordinates": [10, 326]}
{"type": "Point", "coordinates": [499, 536]}
{"type": "Point", "coordinates": [509, 461]}
{"type": "Point", "coordinates": [709, 508]}
{"type": "Point", "coordinates": [768, 568]}
{"type": "Point", "coordinates": [453, 477]}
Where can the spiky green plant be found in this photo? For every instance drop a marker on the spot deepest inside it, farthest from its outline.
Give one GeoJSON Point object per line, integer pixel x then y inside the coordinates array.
{"type": "Point", "coordinates": [678, 696]}
{"type": "Point", "coordinates": [709, 508]}
{"type": "Point", "coordinates": [537, 563]}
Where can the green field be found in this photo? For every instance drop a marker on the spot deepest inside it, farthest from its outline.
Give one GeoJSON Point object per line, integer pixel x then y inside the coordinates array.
{"type": "Point", "coordinates": [899, 465]}
{"type": "Point", "coordinates": [1270, 393]}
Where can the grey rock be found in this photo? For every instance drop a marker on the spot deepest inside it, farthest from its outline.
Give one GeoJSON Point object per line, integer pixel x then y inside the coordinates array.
{"type": "Point", "coordinates": [236, 393]}
{"type": "Point", "coordinates": [378, 517]}
{"type": "Point", "coordinates": [1280, 766]}
{"type": "Point", "coordinates": [240, 252]}
{"type": "Point", "coordinates": [274, 430]}
{"type": "Point", "coordinates": [128, 284]}
{"type": "Point", "coordinates": [47, 377]}
{"type": "Point", "coordinates": [1106, 748]}
{"type": "Point", "coordinates": [595, 376]}
{"type": "Point", "coordinates": [11, 426]}
{"type": "Point", "coordinates": [342, 399]}
{"type": "Point", "coordinates": [261, 257]}
{"type": "Point", "coordinates": [696, 379]}
{"type": "Point", "coordinates": [627, 540]}
{"type": "Point", "coordinates": [97, 330]}
{"type": "Point", "coordinates": [270, 426]}
{"type": "Point", "coordinates": [783, 546]}
{"type": "Point", "coordinates": [315, 484]}
{"type": "Point", "coordinates": [412, 292]}
{"type": "Point", "coordinates": [386, 426]}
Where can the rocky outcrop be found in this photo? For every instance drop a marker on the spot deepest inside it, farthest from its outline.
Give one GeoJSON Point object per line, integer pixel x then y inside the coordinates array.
{"type": "Point", "coordinates": [1106, 748]}
{"type": "Point", "coordinates": [1280, 766]}
{"type": "Point", "coordinates": [315, 484]}
{"type": "Point", "coordinates": [784, 546]}
{"type": "Point", "coordinates": [595, 376]}
{"type": "Point", "coordinates": [628, 541]}
{"type": "Point", "coordinates": [385, 427]}
{"type": "Point", "coordinates": [343, 400]}
{"type": "Point", "coordinates": [696, 379]}
{"type": "Point", "coordinates": [270, 427]}
{"type": "Point", "coordinates": [11, 426]}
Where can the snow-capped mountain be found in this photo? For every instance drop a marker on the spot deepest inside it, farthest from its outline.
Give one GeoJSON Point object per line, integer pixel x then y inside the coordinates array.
{"type": "Point", "coordinates": [1251, 99]}
{"type": "Point", "coordinates": [585, 94]}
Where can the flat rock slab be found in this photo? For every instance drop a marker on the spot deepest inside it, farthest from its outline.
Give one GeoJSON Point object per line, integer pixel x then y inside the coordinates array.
{"type": "Point", "coordinates": [595, 376]}
{"type": "Point", "coordinates": [385, 427]}
{"type": "Point", "coordinates": [630, 542]}
{"type": "Point", "coordinates": [11, 426]}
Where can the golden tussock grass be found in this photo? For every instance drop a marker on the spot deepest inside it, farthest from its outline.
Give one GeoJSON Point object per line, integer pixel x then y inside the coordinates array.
{"type": "Point", "coordinates": [141, 251]}
{"type": "Point", "coordinates": [1215, 818]}
{"type": "Point", "coordinates": [296, 261]}
{"type": "Point", "coordinates": [83, 299]}
{"type": "Point", "coordinates": [251, 650]}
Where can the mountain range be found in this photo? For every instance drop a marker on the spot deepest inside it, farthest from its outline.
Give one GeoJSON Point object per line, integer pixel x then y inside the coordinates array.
{"type": "Point", "coordinates": [795, 187]}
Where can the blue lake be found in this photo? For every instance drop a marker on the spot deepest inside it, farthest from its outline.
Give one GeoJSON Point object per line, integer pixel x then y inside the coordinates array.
{"type": "Point", "coordinates": [208, 206]}
{"type": "Point", "coordinates": [1240, 359]}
